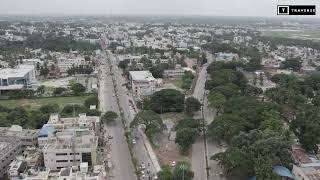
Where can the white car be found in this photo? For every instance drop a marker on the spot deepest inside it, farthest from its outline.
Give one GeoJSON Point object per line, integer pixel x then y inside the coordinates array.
{"type": "Point", "coordinates": [134, 141]}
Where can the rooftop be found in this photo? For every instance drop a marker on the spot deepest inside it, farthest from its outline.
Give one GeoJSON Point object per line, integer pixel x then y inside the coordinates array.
{"type": "Point", "coordinates": [20, 71]}
{"type": "Point", "coordinates": [141, 76]}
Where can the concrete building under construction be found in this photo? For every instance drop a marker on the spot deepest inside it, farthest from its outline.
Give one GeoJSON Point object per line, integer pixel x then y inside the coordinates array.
{"type": "Point", "coordinates": [68, 142]}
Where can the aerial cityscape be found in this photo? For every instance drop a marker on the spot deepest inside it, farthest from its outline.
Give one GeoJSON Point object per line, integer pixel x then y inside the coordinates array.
{"type": "Point", "coordinates": [165, 96]}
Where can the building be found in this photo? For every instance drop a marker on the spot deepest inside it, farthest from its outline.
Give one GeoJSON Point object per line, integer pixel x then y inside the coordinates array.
{"type": "Point", "coordinates": [66, 63]}
{"type": "Point", "coordinates": [10, 147]}
{"type": "Point", "coordinates": [81, 172]}
{"type": "Point", "coordinates": [67, 142]}
{"type": "Point", "coordinates": [21, 77]}
{"type": "Point", "coordinates": [226, 56]}
{"type": "Point", "coordinates": [142, 83]}
{"type": "Point", "coordinates": [16, 168]}
{"type": "Point", "coordinates": [176, 73]}
{"type": "Point", "coordinates": [32, 156]}
{"type": "Point", "coordinates": [27, 137]}
{"type": "Point", "coordinates": [306, 167]}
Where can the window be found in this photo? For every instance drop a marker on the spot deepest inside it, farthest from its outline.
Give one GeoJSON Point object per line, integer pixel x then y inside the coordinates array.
{"type": "Point", "coordinates": [58, 161]}
{"type": "Point", "coordinates": [61, 154]}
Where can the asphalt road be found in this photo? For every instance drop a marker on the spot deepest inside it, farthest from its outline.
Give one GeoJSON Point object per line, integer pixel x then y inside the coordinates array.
{"type": "Point", "coordinates": [198, 162]}
{"type": "Point", "coordinates": [121, 160]}
{"type": "Point", "coordinates": [129, 111]}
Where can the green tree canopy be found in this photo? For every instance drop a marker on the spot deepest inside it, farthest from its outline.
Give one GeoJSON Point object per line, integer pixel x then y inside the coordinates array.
{"type": "Point", "coordinates": [166, 100]}
{"type": "Point", "coordinates": [109, 117]}
{"type": "Point", "coordinates": [186, 137]}
{"type": "Point", "coordinates": [78, 88]}
{"type": "Point", "coordinates": [192, 105]}
{"type": "Point", "coordinates": [151, 120]}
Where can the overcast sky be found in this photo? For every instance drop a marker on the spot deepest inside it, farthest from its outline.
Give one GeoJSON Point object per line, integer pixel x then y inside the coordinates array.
{"type": "Point", "coordinates": [156, 7]}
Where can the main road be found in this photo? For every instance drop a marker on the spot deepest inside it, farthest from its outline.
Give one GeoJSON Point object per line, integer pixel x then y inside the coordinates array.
{"type": "Point", "coordinates": [129, 110]}
{"type": "Point", "coordinates": [200, 153]}
{"type": "Point", "coordinates": [122, 167]}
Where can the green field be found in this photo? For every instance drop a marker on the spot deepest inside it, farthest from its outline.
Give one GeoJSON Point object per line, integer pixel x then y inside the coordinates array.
{"type": "Point", "coordinates": [295, 34]}
{"type": "Point", "coordinates": [36, 103]}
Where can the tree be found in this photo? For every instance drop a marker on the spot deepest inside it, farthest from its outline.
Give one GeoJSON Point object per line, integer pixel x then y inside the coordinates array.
{"type": "Point", "coordinates": [183, 171]}
{"type": "Point", "coordinates": [151, 120]}
{"type": "Point", "coordinates": [306, 127]}
{"type": "Point", "coordinates": [165, 173]}
{"type": "Point", "coordinates": [49, 108]}
{"type": "Point", "coordinates": [44, 71]}
{"type": "Point", "coordinates": [93, 112]}
{"type": "Point", "coordinates": [227, 126]}
{"type": "Point", "coordinates": [166, 100]}
{"type": "Point", "coordinates": [40, 90]}
{"type": "Point", "coordinates": [217, 101]}
{"type": "Point", "coordinates": [59, 90]}
{"type": "Point", "coordinates": [294, 63]}
{"type": "Point", "coordinates": [73, 110]}
{"type": "Point", "coordinates": [124, 64]}
{"type": "Point", "coordinates": [186, 137]}
{"type": "Point", "coordinates": [93, 100]}
{"type": "Point", "coordinates": [78, 88]}
{"type": "Point", "coordinates": [192, 105]}
{"type": "Point", "coordinates": [255, 153]}
{"type": "Point", "coordinates": [109, 117]}
{"type": "Point", "coordinates": [188, 123]}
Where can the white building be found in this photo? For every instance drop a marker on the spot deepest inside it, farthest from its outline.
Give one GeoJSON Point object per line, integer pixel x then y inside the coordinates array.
{"type": "Point", "coordinates": [226, 56]}
{"type": "Point", "coordinates": [74, 173]}
{"type": "Point", "coordinates": [67, 142]}
{"type": "Point", "coordinates": [23, 76]}
{"type": "Point", "coordinates": [142, 83]}
{"type": "Point", "coordinates": [66, 63]}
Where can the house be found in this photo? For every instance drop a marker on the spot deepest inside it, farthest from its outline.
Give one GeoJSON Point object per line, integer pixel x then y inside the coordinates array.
{"type": "Point", "coordinates": [142, 83]}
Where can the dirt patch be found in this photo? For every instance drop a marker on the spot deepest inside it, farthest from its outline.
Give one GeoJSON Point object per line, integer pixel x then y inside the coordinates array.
{"type": "Point", "coordinates": [168, 151]}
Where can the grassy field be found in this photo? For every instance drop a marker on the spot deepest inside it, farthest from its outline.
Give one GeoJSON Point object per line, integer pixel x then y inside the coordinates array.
{"type": "Point", "coordinates": [295, 34]}
{"type": "Point", "coordinates": [36, 103]}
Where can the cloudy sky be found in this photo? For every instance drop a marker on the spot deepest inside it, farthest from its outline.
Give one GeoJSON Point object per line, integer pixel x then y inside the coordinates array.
{"type": "Point", "coordinates": [156, 7]}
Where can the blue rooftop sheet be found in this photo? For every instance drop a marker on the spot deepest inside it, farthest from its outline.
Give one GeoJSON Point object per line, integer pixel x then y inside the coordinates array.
{"type": "Point", "coordinates": [283, 171]}
{"type": "Point", "coordinates": [45, 130]}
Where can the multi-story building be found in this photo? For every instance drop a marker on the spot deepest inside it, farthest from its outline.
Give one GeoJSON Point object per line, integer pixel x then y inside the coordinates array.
{"type": "Point", "coordinates": [176, 73]}
{"type": "Point", "coordinates": [10, 147]}
{"type": "Point", "coordinates": [23, 76]}
{"type": "Point", "coordinates": [74, 173]}
{"type": "Point", "coordinates": [142, 83]}
{"type": "Point", "coordinates": [70, 148]}
{"type": "Point", "coordinates": [67, 142]}
{"type": "Point", "coordinates": [28, 137]}
{"type": "Point", "coordinates": [66, 63]}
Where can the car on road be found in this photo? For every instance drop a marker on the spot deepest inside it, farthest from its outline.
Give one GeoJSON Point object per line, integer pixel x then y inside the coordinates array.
{"type": "Point", "coordinates": [142, 166]}
{"type": "Point", "coordinates": [142, 174]}
{"type": "Point", "coordinates": [134, 141]}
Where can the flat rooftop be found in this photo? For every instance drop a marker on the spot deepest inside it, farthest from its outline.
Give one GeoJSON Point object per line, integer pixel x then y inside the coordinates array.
{"type": "Point", "coordinates": [19, 71]}
{"type": "Point", "coordinates": [141, 76]}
